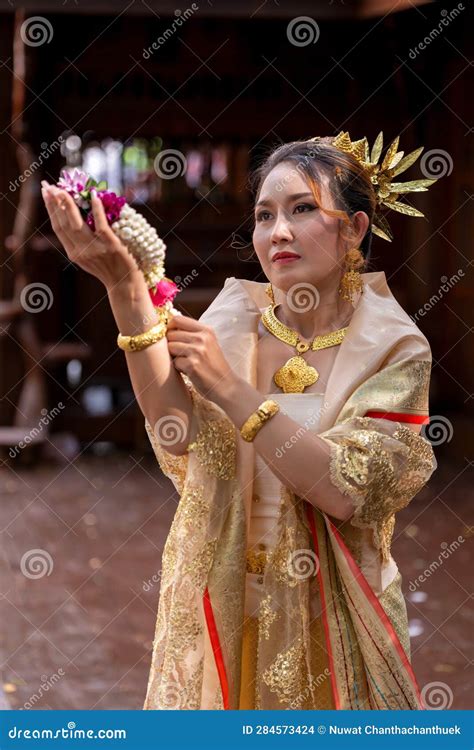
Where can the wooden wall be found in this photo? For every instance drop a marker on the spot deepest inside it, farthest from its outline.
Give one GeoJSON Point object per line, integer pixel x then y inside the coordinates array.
{"type": "Point", "coordinates": [240, 82]}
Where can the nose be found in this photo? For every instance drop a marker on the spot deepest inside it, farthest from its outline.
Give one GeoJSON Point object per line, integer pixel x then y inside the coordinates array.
{"type": "Point", "coordinates": [281, 231]}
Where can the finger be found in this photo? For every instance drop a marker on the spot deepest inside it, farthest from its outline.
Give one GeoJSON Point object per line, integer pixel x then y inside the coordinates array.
{"type": "Point", "coordinates": [186, 337]}
{"type": "Point", "coordinates": [184, 323]}
{"type": "Point", "coordinates": [70, 208]}
{"type": "Point", "coordinates": [181, 364]}
{"type": "Point", "coordinates": [179, 349]}
{"type": "Point", "coordinates": [57, 212]}
{"type": "Point", "coordinates": [72, 213]}
{"type": "Point", "coordinates": [100, 218]}
{"type": "Point", "coordinates": [53, 212]}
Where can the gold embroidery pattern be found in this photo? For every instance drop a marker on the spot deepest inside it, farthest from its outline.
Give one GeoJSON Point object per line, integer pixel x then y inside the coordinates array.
{"type": "Point", "coordinates": [281, 557]}
{"type": "Point", "coordinates": [193, 508]}
{"type": "Point", "coordinates": [173, 467]}
{"type": "Point", "coordinates": [266, 617]}
{"type": "Point", "coordinates": [193, 688]}
{"type": "Point", "coordinates": [393, 602]}
{"type": "Point", "coordinates": [198, 569]}
{"type": "Point", "coordinates": [185, 629]}
{"type": "Point", "coordinates": [380, 475]}
{"type": "Point", "coordinates": [403, 386]}
{"type": "Point", "coordinates": [287, 675]}
{"type": "Point", "coordinates": [215, 448]}
{"type": "Point", "coordinates": [256, 561]}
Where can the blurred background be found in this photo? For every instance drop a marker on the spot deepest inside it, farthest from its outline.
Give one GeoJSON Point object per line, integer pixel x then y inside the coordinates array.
{"type": "Point", "coordinates": [174, 107]}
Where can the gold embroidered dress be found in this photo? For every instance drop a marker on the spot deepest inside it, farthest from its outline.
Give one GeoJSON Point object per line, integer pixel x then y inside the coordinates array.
{"type": "Point", "coordinates": [338, 637]}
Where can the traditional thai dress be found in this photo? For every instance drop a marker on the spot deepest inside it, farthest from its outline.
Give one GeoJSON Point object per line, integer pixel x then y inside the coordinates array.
{"type": "Point", "coordinates": [265, 601]}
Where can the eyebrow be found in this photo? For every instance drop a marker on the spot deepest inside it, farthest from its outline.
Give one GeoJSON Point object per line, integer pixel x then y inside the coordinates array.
{"type": "Point", "coordinates": [267, 201]}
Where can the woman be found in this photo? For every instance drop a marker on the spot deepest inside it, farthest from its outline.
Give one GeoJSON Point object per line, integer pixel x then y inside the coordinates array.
{"type": "Point", "coordinates": [291, 432]}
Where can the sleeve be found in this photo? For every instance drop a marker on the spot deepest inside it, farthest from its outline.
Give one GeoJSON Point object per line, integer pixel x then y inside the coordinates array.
{"type": "Point", "coordinates": [379, 462]}
{"type": "Point", "coordinates": [212, 438]}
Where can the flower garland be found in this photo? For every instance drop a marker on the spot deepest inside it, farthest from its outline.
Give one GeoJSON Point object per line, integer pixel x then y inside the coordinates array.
{"type": "Point", "coordinates": [133, 230]}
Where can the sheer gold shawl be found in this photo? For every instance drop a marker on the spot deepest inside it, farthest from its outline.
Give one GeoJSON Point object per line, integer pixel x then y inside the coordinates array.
{"type": "Point", "coordinates": [324, 638]}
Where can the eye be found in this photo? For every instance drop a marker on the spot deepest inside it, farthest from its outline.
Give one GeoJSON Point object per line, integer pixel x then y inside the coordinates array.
{"type": "Point", "coordinates": [262, 214]}
{"type": "Point", "coordinates": [305, 205]}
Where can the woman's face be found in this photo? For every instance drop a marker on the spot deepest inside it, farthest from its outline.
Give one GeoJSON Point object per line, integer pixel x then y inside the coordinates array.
{"type": "Point", "coordinates": [288, 219]}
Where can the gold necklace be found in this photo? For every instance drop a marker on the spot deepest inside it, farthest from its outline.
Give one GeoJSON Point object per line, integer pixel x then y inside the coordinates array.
{"type": "Point", "coordinates": [296, 374]}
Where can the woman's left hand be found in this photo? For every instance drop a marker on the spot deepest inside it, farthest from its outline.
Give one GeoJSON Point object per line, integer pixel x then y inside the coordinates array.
{"type": "Point", "coordinates": [197, 353]}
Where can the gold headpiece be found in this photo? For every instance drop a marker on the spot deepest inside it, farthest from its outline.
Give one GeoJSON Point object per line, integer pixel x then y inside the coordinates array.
{"type": "Point", "coordinates": [381, 175]}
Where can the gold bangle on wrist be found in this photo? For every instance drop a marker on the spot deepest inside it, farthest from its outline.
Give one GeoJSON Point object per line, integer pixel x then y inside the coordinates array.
{"type": "Point", "coordinates": [257, 419]}
{"type": "Point", "coordinates": [142, 340]}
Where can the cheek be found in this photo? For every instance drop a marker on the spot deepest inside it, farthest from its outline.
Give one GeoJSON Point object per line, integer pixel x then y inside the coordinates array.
{"type": "Point", "coordinates": [260, 244]}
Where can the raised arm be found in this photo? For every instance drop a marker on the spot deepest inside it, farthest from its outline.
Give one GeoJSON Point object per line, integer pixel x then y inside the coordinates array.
{"type": "Point", "coordinates": [158, 387]}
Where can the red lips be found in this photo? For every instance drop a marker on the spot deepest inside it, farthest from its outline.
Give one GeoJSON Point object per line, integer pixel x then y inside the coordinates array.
{"type": "Point", "coordinates": [285, 254]}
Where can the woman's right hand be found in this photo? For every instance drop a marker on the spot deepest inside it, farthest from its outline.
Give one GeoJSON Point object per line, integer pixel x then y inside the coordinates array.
{"type": "Point", "coordinates": [100, 253]}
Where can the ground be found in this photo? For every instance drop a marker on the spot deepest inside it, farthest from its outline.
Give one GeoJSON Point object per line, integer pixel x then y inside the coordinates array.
{"type": "Point", "coordinates": [78, 614]}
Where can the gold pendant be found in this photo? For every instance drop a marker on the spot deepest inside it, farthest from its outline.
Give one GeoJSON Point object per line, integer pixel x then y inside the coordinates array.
{"type": "Point", "coordinates": [295, 375]}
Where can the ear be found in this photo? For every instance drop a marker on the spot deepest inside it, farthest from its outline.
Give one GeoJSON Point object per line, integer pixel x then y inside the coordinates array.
{"type": "Point", "coordinates": [360, 224]}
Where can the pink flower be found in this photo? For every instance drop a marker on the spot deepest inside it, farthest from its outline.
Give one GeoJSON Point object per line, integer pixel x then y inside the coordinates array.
{"type": "Point", "coordinates": [165, 291]}
{"type": "Point", "coordinates": [73, 182]}
{"type": "Point", "coordinates": [112, 204]}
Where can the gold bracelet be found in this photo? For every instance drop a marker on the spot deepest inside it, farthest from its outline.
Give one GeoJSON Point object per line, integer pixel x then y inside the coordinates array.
{"type": "Point", "coordinates": [257, 419]}
{"type": "Point", "coordinates": [142, 340]}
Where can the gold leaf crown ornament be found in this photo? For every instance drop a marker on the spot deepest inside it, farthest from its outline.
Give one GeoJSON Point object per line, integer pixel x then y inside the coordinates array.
{"type": "Point", "coordinates": [381, 175]}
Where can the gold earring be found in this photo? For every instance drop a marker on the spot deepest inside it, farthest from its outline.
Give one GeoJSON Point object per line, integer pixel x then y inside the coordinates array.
{"type": "Point", "coordinates": [351, 282]}
{"type": "Point", "coordinates": [269, 292]}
